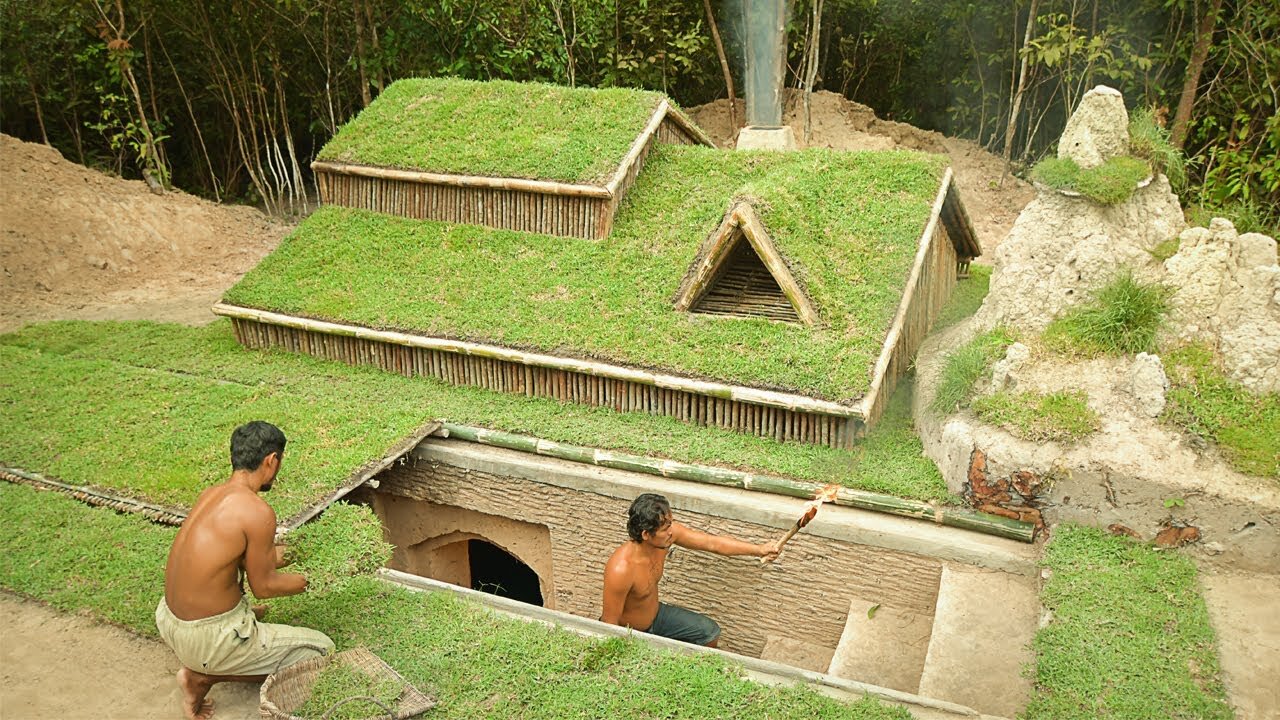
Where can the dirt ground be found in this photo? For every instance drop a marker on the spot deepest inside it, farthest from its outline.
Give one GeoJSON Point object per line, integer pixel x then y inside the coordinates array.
{"type": "Point", "coordinates": [75, 243]}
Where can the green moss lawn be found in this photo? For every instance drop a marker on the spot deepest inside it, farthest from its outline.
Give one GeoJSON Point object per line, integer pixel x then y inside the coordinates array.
{"type": "Point", "coordinates": [847, 223]}
{"type": "Point", "coordinates": [497, 129]}
{"type": "Point", "coordinates": [146, 409]}
{"type": "Point", "coordinates": [477, 664]}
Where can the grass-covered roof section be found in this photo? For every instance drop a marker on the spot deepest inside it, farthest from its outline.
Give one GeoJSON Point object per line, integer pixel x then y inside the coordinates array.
{"type": "Point", "coordinates": [846, 223]}
{"type": "Point", "coordinates": [147, 410]}
{"type": "Point", "coordinates": [496, 129]}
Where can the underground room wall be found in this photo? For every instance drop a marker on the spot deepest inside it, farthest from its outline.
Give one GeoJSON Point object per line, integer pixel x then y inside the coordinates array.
{"type": "Point", "coordinates": [804, 597]}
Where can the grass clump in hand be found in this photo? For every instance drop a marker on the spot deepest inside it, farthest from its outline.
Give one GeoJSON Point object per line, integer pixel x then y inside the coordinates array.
{"type": "Point", "coordinates": [1121, 319]}
{"type": "Point", "coordinates": [965, 365]}
{"type": "Point", "coordinates": [1150, 141]}
{"type": "Point", "coordinates": [340, 681]}
{"type": "Point", "coordinates": [1203, 400]}
{"type": "Point", "coordinates": [344, 543]}
{"type": "Point", "coordinates": [1110, 183]}
{"type": "Point", "coordinates": [1056, 417]}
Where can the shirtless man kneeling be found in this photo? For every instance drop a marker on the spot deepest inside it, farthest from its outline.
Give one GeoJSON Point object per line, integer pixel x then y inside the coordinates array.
{"type": "Point", "coordinates": [631, 576]}
{"type": "Point", "coordinates": [204, 615]}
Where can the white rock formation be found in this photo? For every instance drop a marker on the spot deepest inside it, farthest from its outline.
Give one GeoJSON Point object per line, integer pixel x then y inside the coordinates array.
{"type": "Point", "coordinates": [1226, 292]}
{"type": "Point", "coordinates": [1061, 248]}
{"type": "Point", "coordinates": [1148, 384]}
{"type": "Point", "coordinates": [1098, 130]}
{"type": "Point", "coordinates": [1004, 374]}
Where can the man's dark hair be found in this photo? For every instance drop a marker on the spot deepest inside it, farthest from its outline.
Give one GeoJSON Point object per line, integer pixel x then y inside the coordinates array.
{"type": "Point", "coordinates": [252, 442]}
{"type": "Point", "coordinates": [647, 514]}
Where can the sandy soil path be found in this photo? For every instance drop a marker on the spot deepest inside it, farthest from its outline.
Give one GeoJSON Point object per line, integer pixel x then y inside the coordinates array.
{"type": "Point", "coordinates": [58, 666]}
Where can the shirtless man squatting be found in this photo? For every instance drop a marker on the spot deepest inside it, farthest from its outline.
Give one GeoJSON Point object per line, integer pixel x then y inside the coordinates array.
{"type": "Point", "coordinates": [204, 615]}
{"type": "Point", "coordinates": [631, 576]}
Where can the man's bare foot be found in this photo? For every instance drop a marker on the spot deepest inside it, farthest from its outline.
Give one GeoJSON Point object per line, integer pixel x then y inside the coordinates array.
{"type": "Point", "coordinates": [194, 687]}
{"type": "Point", "coordinates": [259, 611]}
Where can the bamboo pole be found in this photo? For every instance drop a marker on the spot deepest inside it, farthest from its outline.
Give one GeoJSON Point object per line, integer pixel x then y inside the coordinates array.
{"type": "Point", "coordinates": [848, 497]}
{"type": "Point", "coordinates": [785, 401]}
{"type": "Point", "coordinates": [95, 496]}
{"type": "Point", "coordinates": [463, 181]}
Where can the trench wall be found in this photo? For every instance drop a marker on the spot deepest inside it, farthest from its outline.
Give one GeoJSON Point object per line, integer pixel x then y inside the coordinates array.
{"type": "Point", "coordinates": [805, 597]}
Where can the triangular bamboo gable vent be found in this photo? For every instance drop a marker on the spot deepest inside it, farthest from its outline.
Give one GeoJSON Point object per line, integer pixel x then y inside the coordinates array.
{"type": "Point", "coordinates": [741, 274]}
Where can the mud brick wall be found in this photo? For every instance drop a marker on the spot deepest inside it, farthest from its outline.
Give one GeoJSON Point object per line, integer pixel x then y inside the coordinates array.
{"type": "Point", "coordinates": [805, 596]}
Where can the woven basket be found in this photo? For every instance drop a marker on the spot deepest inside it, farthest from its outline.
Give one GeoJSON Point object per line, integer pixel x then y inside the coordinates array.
{"type": "Point", "coordinates": [287, 690]}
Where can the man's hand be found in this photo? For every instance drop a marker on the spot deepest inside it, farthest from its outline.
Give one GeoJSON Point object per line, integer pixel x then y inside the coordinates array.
{"type": "Point", "coordinates": [769, 551]}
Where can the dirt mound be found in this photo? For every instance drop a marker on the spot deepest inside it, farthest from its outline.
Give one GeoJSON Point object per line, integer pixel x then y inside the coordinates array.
{"type": "Point", "coordinates": [76, 243]}
{"type": "Point", "coordinates": [842, 124]}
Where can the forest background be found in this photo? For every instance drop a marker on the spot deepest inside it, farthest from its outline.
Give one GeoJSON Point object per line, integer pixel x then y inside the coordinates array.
{"type": "Point", "coordinates": [231, 99]}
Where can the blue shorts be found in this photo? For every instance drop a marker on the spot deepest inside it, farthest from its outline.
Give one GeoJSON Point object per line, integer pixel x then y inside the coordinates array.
{"type": "Point", "coordinates": [677, 623]}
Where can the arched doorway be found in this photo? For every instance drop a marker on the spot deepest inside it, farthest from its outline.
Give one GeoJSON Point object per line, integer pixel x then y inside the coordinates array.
{"type": "Point", "coordinates": [498, 572]}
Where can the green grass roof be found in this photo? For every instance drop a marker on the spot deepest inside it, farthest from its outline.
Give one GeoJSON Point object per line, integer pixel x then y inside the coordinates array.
{"type": "Point", "coordinates": [847, 223]}
{"type": "Point", "coordinates": [496, 129]}
{"type": "Point", "coordinates": [147, 410]}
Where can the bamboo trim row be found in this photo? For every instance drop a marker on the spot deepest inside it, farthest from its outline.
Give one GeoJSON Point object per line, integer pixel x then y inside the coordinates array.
{"type": "Point", "coordinates": [572, 216]}
{"type": "Point", "coordinates": [466, 181]}
{"type": "Point", "coordinates": [953, 517]}
{"type": "Point", "coordinates": [92, 496]}
{"type": "Point", "coordinates": [782, 425]}
{"type": "Point", "coordinates": [871, 402]}
{"type": "Point", "coordinates": [738, 393]}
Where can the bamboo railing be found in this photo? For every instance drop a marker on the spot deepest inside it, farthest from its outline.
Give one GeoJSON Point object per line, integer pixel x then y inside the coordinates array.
{"type": "Point", "coordinates": [781, 416]}
{"type": "Point", "coordinates": [877, 502]}
{"type": "Point", "coordinates": [96, 496]}
{"type": "Point", "coordinates": [552, 208]}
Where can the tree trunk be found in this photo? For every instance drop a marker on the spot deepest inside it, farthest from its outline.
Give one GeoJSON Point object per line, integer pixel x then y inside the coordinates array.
{"type": "Point", "coordinates": [1204, 37]}
{"type": "Point", "coordinates": [1012, 127]}
{"type": "Point", "coordinates": [724, 68]}
{"type": "Point", "coordinates": [365, 99]}
{"type": "Point", "coordinates": [811, 66]}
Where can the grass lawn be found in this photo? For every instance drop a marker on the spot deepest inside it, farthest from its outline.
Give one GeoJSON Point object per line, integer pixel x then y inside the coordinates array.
{"type": "Point", "coordinates": [478, 664]}
{"type": "Point", "coordinates": [847, 223]}
{"type": "Point", "coordinates": [1130, 636]}
{"type": "Point", "coordinates": [147, 410]}
{"type": "Point", "coordinates": [496, 129]}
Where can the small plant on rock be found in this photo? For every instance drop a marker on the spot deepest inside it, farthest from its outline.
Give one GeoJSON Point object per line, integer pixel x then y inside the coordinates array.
{"type": "Point", "coordinates": [1110, 183]}
{"type": "Point", "coordinates": [1057, 417]}
{"type": "Point", "coordinates": [965, 365]}
{"type": "Point", "coordinates": [1122, 318]}
{"type": "Point", "coordinates": [1150, 141]}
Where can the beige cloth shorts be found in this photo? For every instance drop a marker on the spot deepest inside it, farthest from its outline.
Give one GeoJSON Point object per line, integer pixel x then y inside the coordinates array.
{"type": "Point", "coordinates": [235, 643]}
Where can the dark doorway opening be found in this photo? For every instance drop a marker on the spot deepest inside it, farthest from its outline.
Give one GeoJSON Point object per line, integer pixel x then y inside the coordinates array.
{"type": "Point", "coordinates": [497, 572]}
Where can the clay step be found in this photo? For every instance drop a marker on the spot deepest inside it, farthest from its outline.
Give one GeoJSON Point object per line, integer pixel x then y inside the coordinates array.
{"type": "Point", "coordinates": [982, 628]}
{"type": "Point", "coordinates": [887, 649]}
{"type": "Point", "coordinates": [797, 653]}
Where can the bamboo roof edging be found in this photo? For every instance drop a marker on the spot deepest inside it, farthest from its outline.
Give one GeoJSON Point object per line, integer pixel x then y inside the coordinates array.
{"type": "Point", "coordinates": [755, 396]}
{"type": "Point", "coordinates": [900, 317]}
{"type": "Point", "coordinates": [677, 116]}
{"type": "Point", "coordinates": [861, 499]}
{"type": "Point", "coordinates": [95, 496]}
{"type": "Point", "coordinates": [471, 181]}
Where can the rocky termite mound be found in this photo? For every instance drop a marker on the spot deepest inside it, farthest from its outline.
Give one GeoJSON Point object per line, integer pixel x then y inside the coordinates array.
{"type": "Point", "coordinates": [1134, 472]}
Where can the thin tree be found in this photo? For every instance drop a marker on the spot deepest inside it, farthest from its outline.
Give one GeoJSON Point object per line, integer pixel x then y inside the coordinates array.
{"type": "Point", "coordinates": [724, 68]}
{"type": "Point", "coordinates": [1012, 127]}
{"type": "Point", "coordinates": [1199, 53]}
{"type": "Point", "coordinates": [116, 37]}
{"type": "Point", "coordinates": [811, 65]}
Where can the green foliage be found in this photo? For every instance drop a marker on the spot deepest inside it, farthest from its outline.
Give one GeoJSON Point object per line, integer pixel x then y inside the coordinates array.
{"type": "Point", "coordinates": [1055, 417]}
{"type": "Point", "coordinates": [479, 664]}
{"type": "Point", "coordinates": [1121, 318]}
{"type": "Point", "coordinates": [966, 298]}
{"type": "Point", "coordinates": [1110, 183]}
{"type": "Point", "coordinates": [848, 225]}
{"type": "Point", "coordinates": [174, 394]}
{"type": "Point", "coordinates": [343, 543]}
{"type": "Point", "coordinates": [1130, 636]}
{"type": "Point", "coordinates": [496, 128]}
{"type": "Point", "coordinates": [340, 681]}
{"type": "Point", "coordinates": [1166, 249]}
{"type": "Point", "coordinates": [1246, 215]}
{"type": "Point", "coordinates": [1150, 141]}
{"type": "Point", "coordinates": [965, 365]}
{"type": "Point", "coordinates": [1203, 400]}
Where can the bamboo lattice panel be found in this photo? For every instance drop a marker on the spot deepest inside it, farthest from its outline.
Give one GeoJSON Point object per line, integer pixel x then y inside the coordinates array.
{"type": "Point", "coordinates": [744, 287]}
{"type": "Point", "coordinates": [564, 385]}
